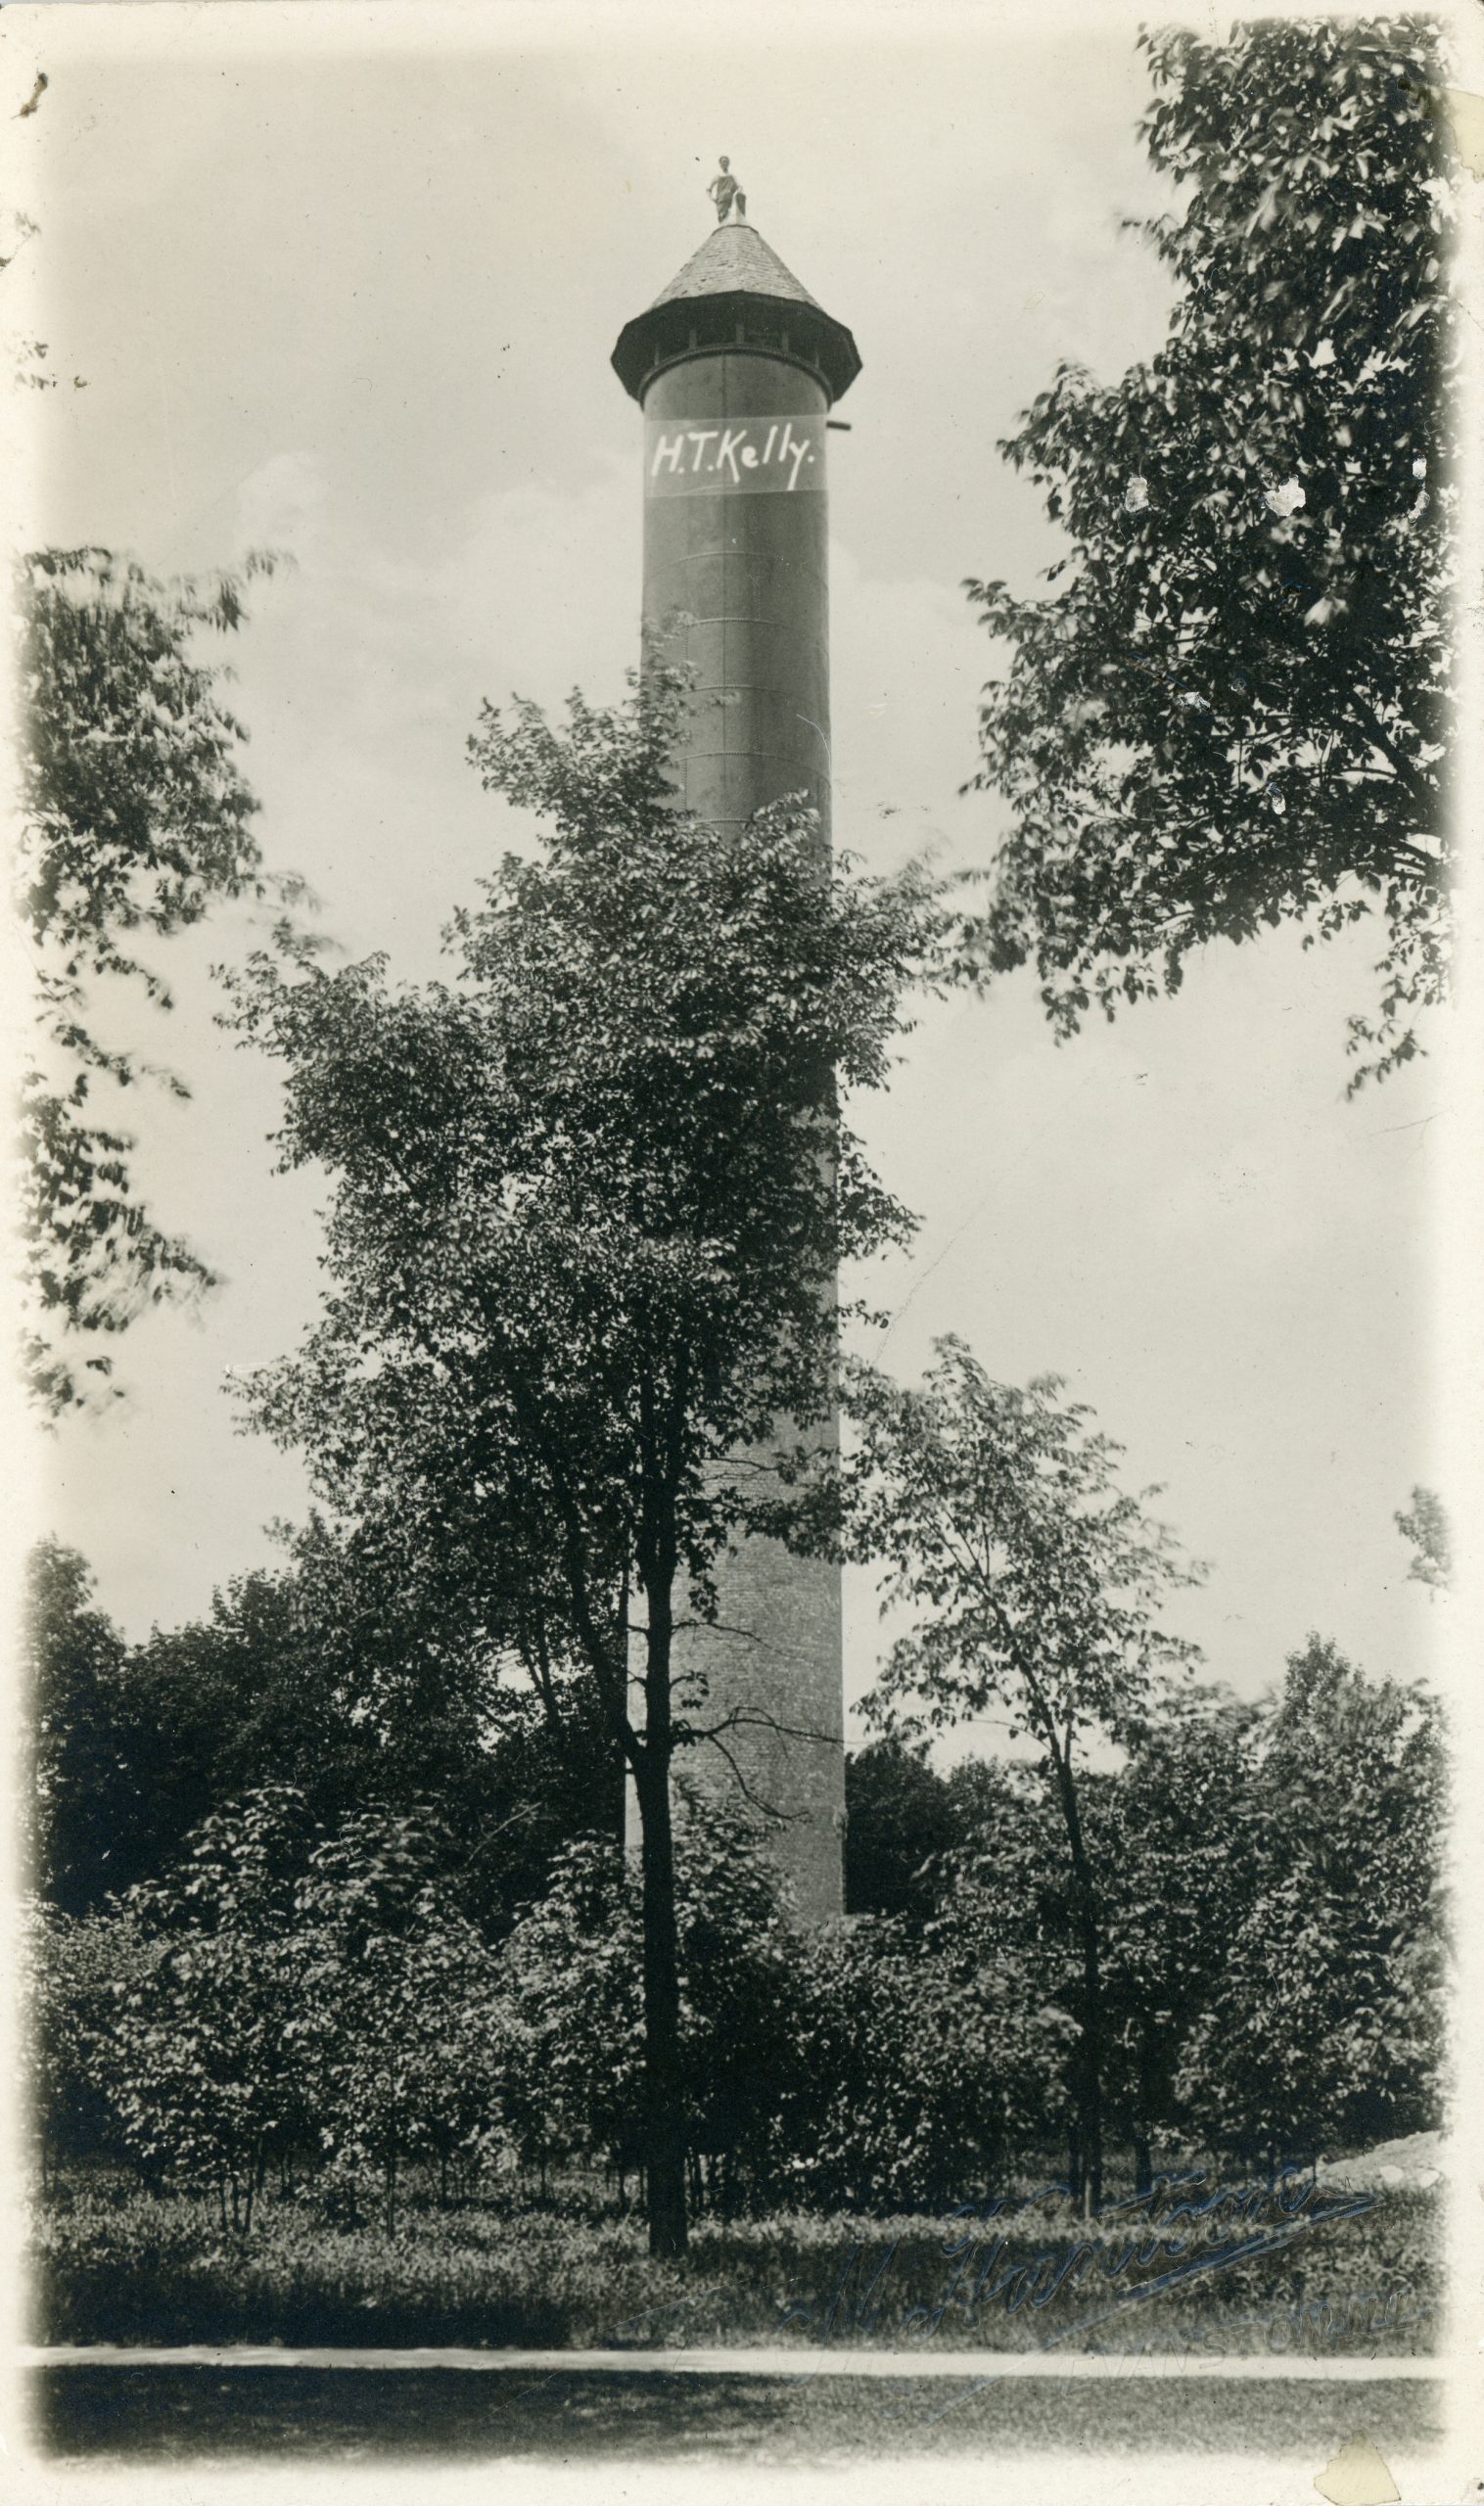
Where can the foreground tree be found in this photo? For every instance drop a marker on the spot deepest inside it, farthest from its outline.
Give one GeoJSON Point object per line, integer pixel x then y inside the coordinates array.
{"type": "Point", "coordinates": [1033, 1579]}
{"type": "Point", "coordinates": [73, 1974]}
{"type": "Point", "coordinates": [587, 1210]}
{"type": "Point", "coordinates": [134, 817]}
{"type": "Point", "coordinates": [1234, 710]}
{"type": "Point", "coordinates": [395, 2047]}
{"type": "Point", "coordinates": [923, 2066]}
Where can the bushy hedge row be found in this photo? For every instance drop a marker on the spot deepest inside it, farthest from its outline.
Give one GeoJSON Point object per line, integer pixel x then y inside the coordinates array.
{"type": "Point", "coordinates": [320, 2011]}
{"type": "Point", "coordinates": [291, 2008]}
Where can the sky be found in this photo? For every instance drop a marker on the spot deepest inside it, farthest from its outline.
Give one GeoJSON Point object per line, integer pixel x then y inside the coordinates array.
{"type": "Point", "coordinates": [347, 287]}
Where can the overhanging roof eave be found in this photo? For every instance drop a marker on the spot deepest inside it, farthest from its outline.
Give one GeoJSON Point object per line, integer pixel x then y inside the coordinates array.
{"type": "Point", "coordinates": [815, 339]}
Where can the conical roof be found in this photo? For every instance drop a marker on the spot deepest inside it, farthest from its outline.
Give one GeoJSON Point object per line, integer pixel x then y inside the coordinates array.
{"type": "Point", "coordinates": [734, 260]}
{"type": "Point", "coordinates": [735, 293]}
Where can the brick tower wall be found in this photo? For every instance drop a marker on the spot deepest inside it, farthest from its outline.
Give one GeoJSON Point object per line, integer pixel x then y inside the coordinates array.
{"type": "Point", "coordinates": [741, 553]}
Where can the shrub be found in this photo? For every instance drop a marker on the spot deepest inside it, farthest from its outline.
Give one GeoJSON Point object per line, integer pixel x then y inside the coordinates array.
{"type": "Point", "coordinates": [918, 2071]}
{"type": "Point", "coordinates": [72, 1971]}
{"type": "Point", "coordinates": [397, 2022]}
{"type": "Point", "coordinates": [572, 2036]}
{"type": "Point", "coordinates": [203, 2073]}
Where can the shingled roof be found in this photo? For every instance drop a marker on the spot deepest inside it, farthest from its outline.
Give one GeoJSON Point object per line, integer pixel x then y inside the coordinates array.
{"type": "Point", "coordinates": [734, 260]}
{"type": "Point", "coordinates": [735, 290]}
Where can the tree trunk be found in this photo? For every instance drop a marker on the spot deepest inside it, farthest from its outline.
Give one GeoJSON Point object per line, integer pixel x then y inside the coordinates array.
{"type": "Point", "coordinates": [1091, 2068]}
{"type": "Point", "coordinates": [260, 2179]}
{"type": "Point", "coordinates": [664, 2121]}
{"type": "Point", "coordinates": [1149, 2107]}
{"type": "Point", "coordinates": [1090, 2065]}
{"type": "Point", "coordinates": [662, 2158]}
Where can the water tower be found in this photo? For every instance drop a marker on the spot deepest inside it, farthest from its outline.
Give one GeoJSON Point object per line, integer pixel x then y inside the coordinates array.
{"type": "Point", "coordinates": [735, 368]}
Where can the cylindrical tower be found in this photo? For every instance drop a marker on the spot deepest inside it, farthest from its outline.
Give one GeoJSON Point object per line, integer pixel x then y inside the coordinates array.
{"type": "Point", "coordinates": [735, 368]}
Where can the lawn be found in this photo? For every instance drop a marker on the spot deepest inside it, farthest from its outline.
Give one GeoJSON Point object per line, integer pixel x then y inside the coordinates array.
{"type": "Point", "coordinates": [201, 2414]}
{"type": "Point", "coordinates": [1316, 2273]}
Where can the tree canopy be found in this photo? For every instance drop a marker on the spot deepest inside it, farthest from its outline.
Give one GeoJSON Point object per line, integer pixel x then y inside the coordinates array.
{"type": "Point", "coordinates": [134, 818]}
{"type": "Point", "coordinates": [1325, 2019]}
{"type": "Point", "coordinates": [311, 1676]}
{"type": "Point", "coordinates": [901, 1815]}
{"type": "Point", "coordinates": [1232, 711]}
{"type": "Point", "coordinates": [1035, 1584]}
{"type": "Point", "coordinates": [1035, 1579]}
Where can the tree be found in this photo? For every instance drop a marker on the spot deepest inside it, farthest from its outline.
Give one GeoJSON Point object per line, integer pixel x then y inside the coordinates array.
{"type": "Point", "coordinates": [573, 2017]}
{"type": "Point", "coordinates": [1233, 710]}
{"type": "Point", "coordinates": [394, 1689]}
{"type": "Point", "coordinates": [1430, 1533]}
{"type": "Point", "coordinates": [1172, 1831]}
{"type": "Point", "coordinates": [135, 1746]}
{"type": "Point", "coordinates": [1176, 1832]}
{"type": "Point", "coordinates": [899, 1815]}
{"type": "Point", "coordinates": [73, 1971]}
{"type": "Point", "coordinates": [134, 817]}
{"type": "Point", "coordinates": [203, 2066]}
{"type": "Point", "coordinates": [82, 1797]}
{"type": "Point", "coordinates": [281, 1990]}
{"type": "Point", "coordinates": [587, 1210]}
{"type": "Point", "coordinates": [395, 2022]}
{"type": "Point", "coordinates": [921, 2062]}
{"type": "Point", "coordinates": [1325, 2025]}
{"type": "Point", "coordinates": [995, 1515]}
{"type": "Point", "coordinates": [316, 1676]}
{"type": "Point", "coordinates": [744, 1994]}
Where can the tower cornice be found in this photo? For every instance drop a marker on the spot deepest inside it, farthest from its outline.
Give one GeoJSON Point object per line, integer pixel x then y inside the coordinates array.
{"type": "Point", "coordinates": [735, 293]}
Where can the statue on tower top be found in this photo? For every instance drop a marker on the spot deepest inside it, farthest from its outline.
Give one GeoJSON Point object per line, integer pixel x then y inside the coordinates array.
{"type": "Point", "coordinates": [725, 190]}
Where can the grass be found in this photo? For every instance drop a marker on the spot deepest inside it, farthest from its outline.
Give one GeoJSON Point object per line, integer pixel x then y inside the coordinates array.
{"type": "Point", "coordinates": [111, 2264]}
{"type": "Point", "coordinates": [99, 2414]}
